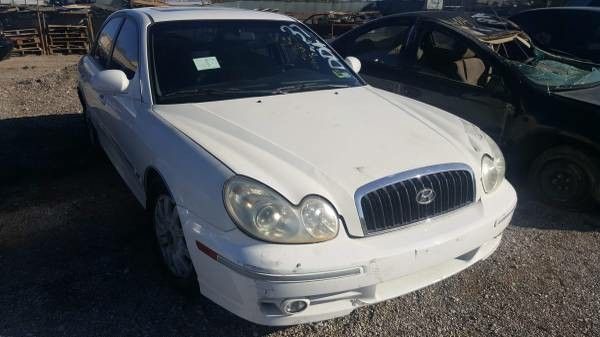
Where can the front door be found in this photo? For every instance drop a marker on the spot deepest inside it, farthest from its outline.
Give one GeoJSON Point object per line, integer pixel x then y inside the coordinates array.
{"type": "Point", "coordinates": [122, 111]}
{"type": "Point", "coordinates": [454, 74]}
{"type": "Point", "coordinates": [380, 46]}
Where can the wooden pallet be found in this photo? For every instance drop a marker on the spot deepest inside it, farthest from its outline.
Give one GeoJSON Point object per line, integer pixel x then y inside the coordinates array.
{"type": "Point", "coordinates": [68, 39]}
{"type": "Point", "coordinates": [26, 41]}
{"type": "Point", "coordinates": [27, 51]}
{"type": "Point", "coordinates": [21, 32]}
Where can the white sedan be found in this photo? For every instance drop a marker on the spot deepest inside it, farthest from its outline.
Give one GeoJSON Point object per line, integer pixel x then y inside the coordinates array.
{"type": "Point", "coordinates": [280, 183]}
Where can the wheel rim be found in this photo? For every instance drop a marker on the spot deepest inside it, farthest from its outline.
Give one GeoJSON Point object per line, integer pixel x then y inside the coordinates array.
{"type": "Point", "coordinates": [563, 181]}
{"type": "Point", "coordinates": [169, 235]}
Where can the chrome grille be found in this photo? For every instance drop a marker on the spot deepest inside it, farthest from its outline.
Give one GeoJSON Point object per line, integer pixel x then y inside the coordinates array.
{"type": "Point", "coordinates": [414, 196]}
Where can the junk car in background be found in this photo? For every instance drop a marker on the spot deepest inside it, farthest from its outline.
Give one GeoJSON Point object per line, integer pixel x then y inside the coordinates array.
{"type": "Point", "coordinates": [5, 46]}
{"type": "Point", "coordinates": [332, 24]}
{"type": "Point", "coordinates": [583, 3]}
{"type": "Point", "coordinates": [543, 108]}
{"type": "Point", "coordinates": [571, 32]}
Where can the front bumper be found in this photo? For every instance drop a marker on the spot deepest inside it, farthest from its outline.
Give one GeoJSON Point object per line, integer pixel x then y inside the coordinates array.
{"type": "Point", "coordinates": [252, 278]}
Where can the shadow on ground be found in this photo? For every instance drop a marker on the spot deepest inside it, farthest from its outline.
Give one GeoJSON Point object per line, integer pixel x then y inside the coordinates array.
{"type": "Point", "coordinates": [75, 248]}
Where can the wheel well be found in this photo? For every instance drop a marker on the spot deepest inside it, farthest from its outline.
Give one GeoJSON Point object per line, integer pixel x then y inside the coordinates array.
{"type": "Point", "coordinates": [530, 147]}
{"type": "Point", "coordinates": [153, 184]}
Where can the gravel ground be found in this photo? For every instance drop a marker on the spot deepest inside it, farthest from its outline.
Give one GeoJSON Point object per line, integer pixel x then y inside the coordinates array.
{"type": "Point", "coordinates": [75, 257]}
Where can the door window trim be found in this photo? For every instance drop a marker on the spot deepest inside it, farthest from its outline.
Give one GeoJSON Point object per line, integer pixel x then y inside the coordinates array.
{"type": "Point", "coordinates": [386, 22]}
{"type": "Point", "coordinates": [137, 31]}
{"type": "Point", "coordinates": [424, 27]}
{"type": "Point", "coordinates": [123, 17]}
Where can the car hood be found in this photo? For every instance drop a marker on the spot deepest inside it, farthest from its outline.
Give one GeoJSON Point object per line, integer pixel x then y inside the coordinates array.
{"type": "Point", "coordinates": [327, 142]}
{"type": "Point", "coordinates": [587, 95]}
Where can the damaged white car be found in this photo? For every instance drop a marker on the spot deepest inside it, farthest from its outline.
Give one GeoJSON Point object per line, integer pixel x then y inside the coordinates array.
{"type": "Point", "coordinates": [287, 188]}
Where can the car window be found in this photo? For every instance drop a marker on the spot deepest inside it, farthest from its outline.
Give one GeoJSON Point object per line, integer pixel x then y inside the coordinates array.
{"type": "Point", "coordinates": [583, 37]}
{"type": "Point", "coordinates": [125, 54]}
{"type": "Point", "coordinates": [543, 27]}
{"type": "Point", "coordinates": [106, 40]}
{"type": "Point", "coordinates": [444, 55]}
{"type": "Point", "coordinates": [199, 61]}
{"type": "Point", "coordinates": [380, 45]}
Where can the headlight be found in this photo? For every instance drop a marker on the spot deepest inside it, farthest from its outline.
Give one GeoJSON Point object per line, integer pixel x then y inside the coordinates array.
{"type": "Point", "coordinates": [265, 214]}
{"type": "Point", "coordinates": [493, 166]}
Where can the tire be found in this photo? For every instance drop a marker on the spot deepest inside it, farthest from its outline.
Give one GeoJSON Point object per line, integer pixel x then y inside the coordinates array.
{"type": "Point", "coordinates": [565, 177]}
{"type": "Point", "coordinates": [170, 241]}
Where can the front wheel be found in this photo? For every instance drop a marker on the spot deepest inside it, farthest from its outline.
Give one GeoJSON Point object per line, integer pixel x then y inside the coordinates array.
{"type": "Point", "coordinates": [171, 241]}
{"type": "Point", "coordinates": [565, 177]}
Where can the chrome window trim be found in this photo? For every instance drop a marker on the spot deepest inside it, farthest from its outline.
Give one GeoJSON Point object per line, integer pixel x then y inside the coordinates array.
{"type": "Point", "coordinates": [406, 175]}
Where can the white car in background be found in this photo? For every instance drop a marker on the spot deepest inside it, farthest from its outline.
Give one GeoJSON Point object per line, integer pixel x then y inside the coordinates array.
{"type": "Point", "coordinates": [285, 186]}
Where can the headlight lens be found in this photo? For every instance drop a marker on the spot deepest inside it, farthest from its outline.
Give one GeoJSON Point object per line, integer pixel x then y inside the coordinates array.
{"type": "Point", "coordinates": [265, 214]}
{"type": "Point", "coordinates": [493, 167]}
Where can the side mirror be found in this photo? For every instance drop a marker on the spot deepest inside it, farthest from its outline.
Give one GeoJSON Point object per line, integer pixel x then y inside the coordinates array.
{"type": "Point", "coordinates": [354, 63]}
{"type": "Point", "coordinates": [110, 82]}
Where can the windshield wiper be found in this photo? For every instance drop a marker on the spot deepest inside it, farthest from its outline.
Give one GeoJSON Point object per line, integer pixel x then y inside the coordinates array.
{"type": "Point", "coordinates": [308, 86]}
{"type": "Point", "coordinates": [213, 91]}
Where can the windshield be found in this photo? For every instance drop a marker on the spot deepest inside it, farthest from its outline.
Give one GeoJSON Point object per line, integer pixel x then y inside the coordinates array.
{"type": "Point", "coordinates": [558, 75]}
{"type": "Point", "coordinates": [551, 71]}
{"type": "Point", "coordinates": [200, 61]}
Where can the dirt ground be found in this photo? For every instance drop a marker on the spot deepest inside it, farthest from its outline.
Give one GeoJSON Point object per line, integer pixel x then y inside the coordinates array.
{"type": "Point", "coordinates": [76, 258]}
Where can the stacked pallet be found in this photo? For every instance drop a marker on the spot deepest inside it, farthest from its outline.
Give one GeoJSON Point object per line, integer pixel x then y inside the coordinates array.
{"type": "Point", "coordinates": [68, 39]}
{"type": "Point", "coordinates": [26, 41]}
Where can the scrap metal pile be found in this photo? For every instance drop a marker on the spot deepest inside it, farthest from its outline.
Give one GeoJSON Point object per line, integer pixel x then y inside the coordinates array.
{"type": "Point", "coordinates": [332, 24]}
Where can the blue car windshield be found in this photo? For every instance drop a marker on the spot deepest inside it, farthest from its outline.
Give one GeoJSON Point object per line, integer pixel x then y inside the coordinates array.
{"type": "Point", "coordinates": [199, 61]}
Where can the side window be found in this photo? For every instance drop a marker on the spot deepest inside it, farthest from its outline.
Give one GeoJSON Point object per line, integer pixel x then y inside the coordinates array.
{"type": "Point", "coordinates": [544, 29]}
{"type": "Point", "coordinates": [125, 54]}
{"type": "Point", "coordinates": [381, 45]}
{"type": "Point", "coordinates": [583, 36]}
{"type": "Point", "coordinates": [444, 55]}
{"type": "Point", "coordinates": [106, 40]}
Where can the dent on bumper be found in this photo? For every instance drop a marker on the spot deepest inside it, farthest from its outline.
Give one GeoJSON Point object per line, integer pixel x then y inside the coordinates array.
{"type": "Point", "coordinates": [254, 292]}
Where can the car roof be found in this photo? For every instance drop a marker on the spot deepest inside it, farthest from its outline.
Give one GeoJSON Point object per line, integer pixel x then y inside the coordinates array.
{"type": "Point", "coordinates": [176, 13]}
{"type": "Point", "coordinates": [482, 26]}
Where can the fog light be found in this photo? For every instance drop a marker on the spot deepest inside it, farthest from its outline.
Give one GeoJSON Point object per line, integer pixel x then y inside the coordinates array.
{"type": "Point", "coordinates": [294, 306]}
